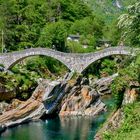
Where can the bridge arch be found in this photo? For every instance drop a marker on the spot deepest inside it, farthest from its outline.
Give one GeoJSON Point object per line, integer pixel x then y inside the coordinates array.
{"type": "Point", "coordinates": [19, 60]}
{"type": "Point", "coordinates": [93, 57]}
{"type": "Point", "coordinates": [95, 65]}
{"type": "Point", "coordinates": [11, 59]}
{"type": "Point", "coordinates": [73, 61]}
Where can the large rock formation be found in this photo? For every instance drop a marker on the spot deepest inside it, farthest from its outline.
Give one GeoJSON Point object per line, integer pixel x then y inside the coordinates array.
{"type": "Point", "coordinates": [103, 85]}
{"type": "Point", "coordinates": [65, 96]}
{"type": "Point", "coordinates": [40, 103]}
{"type": "Point", "coordinates": [32, 108]}
{"type": "Point", "coordinates": [81, 100]}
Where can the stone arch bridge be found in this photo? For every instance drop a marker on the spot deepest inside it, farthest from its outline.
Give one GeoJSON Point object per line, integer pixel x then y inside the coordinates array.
{"type": "Point", "coordinates": [74, 61]}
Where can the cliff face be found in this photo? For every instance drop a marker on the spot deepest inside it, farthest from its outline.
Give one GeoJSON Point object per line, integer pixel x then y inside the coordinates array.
{"type": "Point", "coordinates": [84, 97]}
{"type": "Point", "coordinates": [24, 111]}
{"type": "Point", "coordinates": [54, 97]}
{"type": "Point", "coordinates": [83, 101]}
{"type": "Point", "coordinates": [65, 97]}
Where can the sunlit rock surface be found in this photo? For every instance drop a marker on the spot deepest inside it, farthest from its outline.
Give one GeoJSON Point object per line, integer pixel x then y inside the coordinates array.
{"type": "Point", "coordinates": [82, 100]}
{"type": "Point", "coordinates": [64, 97]}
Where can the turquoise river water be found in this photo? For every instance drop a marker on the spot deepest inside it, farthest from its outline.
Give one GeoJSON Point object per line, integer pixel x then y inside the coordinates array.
{"type": "Point", "coordinates": [58, 128]}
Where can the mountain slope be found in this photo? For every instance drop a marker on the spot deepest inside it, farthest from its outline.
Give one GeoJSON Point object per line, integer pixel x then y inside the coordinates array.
{"type": "Point", "coordinates": [109, 9]}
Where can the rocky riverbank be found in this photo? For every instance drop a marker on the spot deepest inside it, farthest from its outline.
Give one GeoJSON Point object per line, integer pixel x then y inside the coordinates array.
{"type": "Point", "coordinates": [84, 97]}
{"type": "Point", "coordinates": [117, 117]}
{"type": "Point", "coordinates": [65, 97]}
{"type": "Point", "coordinates": [82, 100]}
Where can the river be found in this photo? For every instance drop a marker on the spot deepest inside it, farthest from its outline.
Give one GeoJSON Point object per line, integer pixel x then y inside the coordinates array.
{"type": "Point", "coordinates": [58, 128]}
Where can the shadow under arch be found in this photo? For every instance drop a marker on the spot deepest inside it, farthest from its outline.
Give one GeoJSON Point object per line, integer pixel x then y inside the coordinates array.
{"type": "Point", "coordinates": [124, 51]}
{"type": "Point", "coordinates": [49, 58]}
{"type": "Point", "coordinates": [95, 66]}
{"type": "Point", "coordinates": [29, 71]}
{"type": "Point", "coordinates": [43, 65]}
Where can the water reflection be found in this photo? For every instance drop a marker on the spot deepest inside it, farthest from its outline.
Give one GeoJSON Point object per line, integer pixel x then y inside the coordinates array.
{"type": "Point", "coordinates": [64, 128]}
{"type": "Point", "coordinates": [77, 128]}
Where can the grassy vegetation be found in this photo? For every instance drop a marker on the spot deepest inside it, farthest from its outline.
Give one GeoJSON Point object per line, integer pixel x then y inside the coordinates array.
{"type": "Point", "coordinates": [130, 127]}
{"type": "Point", "coordinates": [130, 73]}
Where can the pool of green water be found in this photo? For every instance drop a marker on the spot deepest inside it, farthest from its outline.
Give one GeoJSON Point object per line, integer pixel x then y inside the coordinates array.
{"type": "Point", "coordinates": [58, 128]}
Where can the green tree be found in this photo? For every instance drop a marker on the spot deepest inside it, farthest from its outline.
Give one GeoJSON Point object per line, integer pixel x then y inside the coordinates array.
{"type": "Point", "coordinates": [23, 21]}
{"type": "Point", "coordinates": [74, 10]}
{"type": "Point", "coordinates": [54, 35]}
{"type": "Point", "coordinates": [90, 30]}
{"type": "Point", "coordinates": [130, 73]}
{"type": "Point", "coordinates": [130, 24]}
{"type": "Point", "coordinates": [88, 26]}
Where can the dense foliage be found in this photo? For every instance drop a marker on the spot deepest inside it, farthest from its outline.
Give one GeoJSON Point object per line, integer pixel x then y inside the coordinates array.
{"type": "Point", "coordinates": [109, 11]}
{"type": "Point", "coordinates": [131, 73]}
{"type": "Point", "coordinates": [130, 24]}
{"type": "Point", "coordinates": [105, 67]}
{"type": "Point", "coordinates": [24, 77]}
{"type": "Point", "coordinates": [33, 23]}
{"type": "Point", "coordinates": [130, 127]}
{"type": "Point", "coordinates": [129, 77]}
